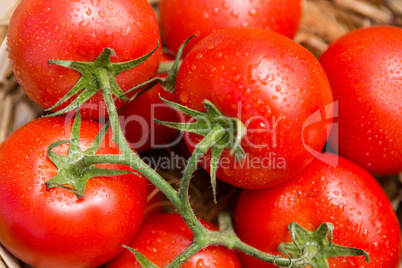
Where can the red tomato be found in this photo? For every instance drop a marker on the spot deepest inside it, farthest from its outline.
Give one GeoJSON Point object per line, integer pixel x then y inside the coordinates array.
{"type": "Point", "coordinates": [137, 118]}
{"type": "Point", "coordinates": [345, 195]}
{"type": "Point", "coordinates": [50, 227]}
{"type": "Point", "coordinates": [274, 86]}
{"type": "Point", "coordinates": [73, 30]}
{"type": "Point", "coordinates": [179, 19]}
{"type": "Point", "coordinates": [364, 69]}
{"type": "Point", "coordinates": [163, 237]}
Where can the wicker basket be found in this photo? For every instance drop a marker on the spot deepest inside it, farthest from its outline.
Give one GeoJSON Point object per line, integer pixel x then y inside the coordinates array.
{"type": "Point", "coordinates": [323, 21]}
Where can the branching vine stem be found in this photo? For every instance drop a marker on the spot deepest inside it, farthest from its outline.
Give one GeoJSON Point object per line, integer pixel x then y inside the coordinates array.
{"type": "Point", "coordinates": [129, 157]}
{"type": "Point", "coordinates": [312, 248]}
{"type": "Point", "coordinates": [202, 236]}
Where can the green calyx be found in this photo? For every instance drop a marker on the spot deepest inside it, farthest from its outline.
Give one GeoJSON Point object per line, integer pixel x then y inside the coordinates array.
{"type": "Point", "coordinates": [89, 82]}
{"type": "Point", "coordinates": [210, 125]}
{"type": "Point", "coordinates": [314, 246]}
{"type": "Point", "coordinates": [95, 73]}
{"type": "Point", "coordinates": [73, 171]}
{"type": "Point", "coordinates": [142, 260]}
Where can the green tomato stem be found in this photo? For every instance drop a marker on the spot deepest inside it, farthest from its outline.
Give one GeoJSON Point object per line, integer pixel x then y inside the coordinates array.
{"type": "Point", "coordinates": [202, 148]}
{"type": "Point", "coordinates": [202, 236]}
{"type": "Point", "coordinates": [185, 255]}
{"type": "Point", "coordinates": [129, 157]}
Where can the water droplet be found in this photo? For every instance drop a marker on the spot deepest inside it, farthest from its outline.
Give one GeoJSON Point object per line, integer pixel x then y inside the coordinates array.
{"type": "Point", "coordinates": [278, 88]}
{"type": "Point", "coordinates": [261, 72]}
{"type": "Point", "coordinates": [184, 97]}
{"type": "Point", "coordinates": [84, 23]}
{"type": "Point", "coordinates": [101, 14]}
{"type": "Point", "coordinates": [235, 14]}
{"type": "Point", "coordinates": [95, 3]}
{"type": "Point", "coordinates": [89, 12]}
{"type": "Point", "coordinates": [228, 172]}
{"type": "Point", "coordinates": [253, 12]}
{"type": "Point", "coordinates": [205, 14]}
{"type": "Point", "coordinates": [225, 5]}
{"type": "Point", "coordinates": [151, 249]}
{"type": "Point", "coordinates": [201, 264]}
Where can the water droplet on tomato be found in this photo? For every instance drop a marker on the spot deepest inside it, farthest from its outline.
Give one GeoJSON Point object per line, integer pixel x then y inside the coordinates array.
{"type": "Point", "coordinates": [201, 264]}
{"type": "Point", "coordinates": [88, 12]}
{"type": "Point", "coordinates": [235, 14]}
{"type": "Point", "coordinates": [101, 14]}
{"type": "Point", "coordinates": [205, 14]}
{"type": "Point", "coordinates": [95, 3]}
{"type": "Point", "coordinates": [225, 5]}
{"type": "Point", "coordinates": [228, 172]}
{"type": "Point", "coordinates": [84, 23]}
{"type": "Point", "coordinates": [236, 79]}
{"type": "Point", "coordinates": [184, 97]}
{"type": "Point", "coordinates": [151, 249]}
{"type": "Point", "coordinates": [261, 72]}
{"type": "Point", "coordinates": [253, 12]}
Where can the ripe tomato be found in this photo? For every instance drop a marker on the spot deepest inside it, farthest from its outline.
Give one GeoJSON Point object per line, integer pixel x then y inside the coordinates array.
{"type": "Point", "coordinates": [137, 118]}
{"type": "Point", "coordinates": [162, 237]}
{"type": "Point", "coordinates": [50, 227]}
{"type": "Point", "coordinates": [364, 69]}
{"type": "Point", "coordinates": [72, 30]}
{"type": "Point", "coordinates": [345, 195]}
{"type": "Point", "coordinates": [179, 19]}
{"type": "Point", "coordinates": [274, 86]}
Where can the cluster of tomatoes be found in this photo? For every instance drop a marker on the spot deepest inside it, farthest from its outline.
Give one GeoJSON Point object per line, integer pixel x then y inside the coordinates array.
{"type": "Point", "coordinates": [290, 103]}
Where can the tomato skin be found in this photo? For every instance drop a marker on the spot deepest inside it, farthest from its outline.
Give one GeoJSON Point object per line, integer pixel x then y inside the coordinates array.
{"type": "Point", "coordinates": [362, 68]}
{"type": "Point", "coordinates": [270, 83]}
{"type": "Point", "coordinates": [345, 195]}
{"type": "Point", "coordinates": [164, 236]}
{"type": "Point", "coordinates": [50, 227]}
{"type": "Point", "coordinates": [72, 30]}
{"type": "Point", "coordinates": [137, 118]}
{"type": "Point", "coordinates": [179, 19]}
